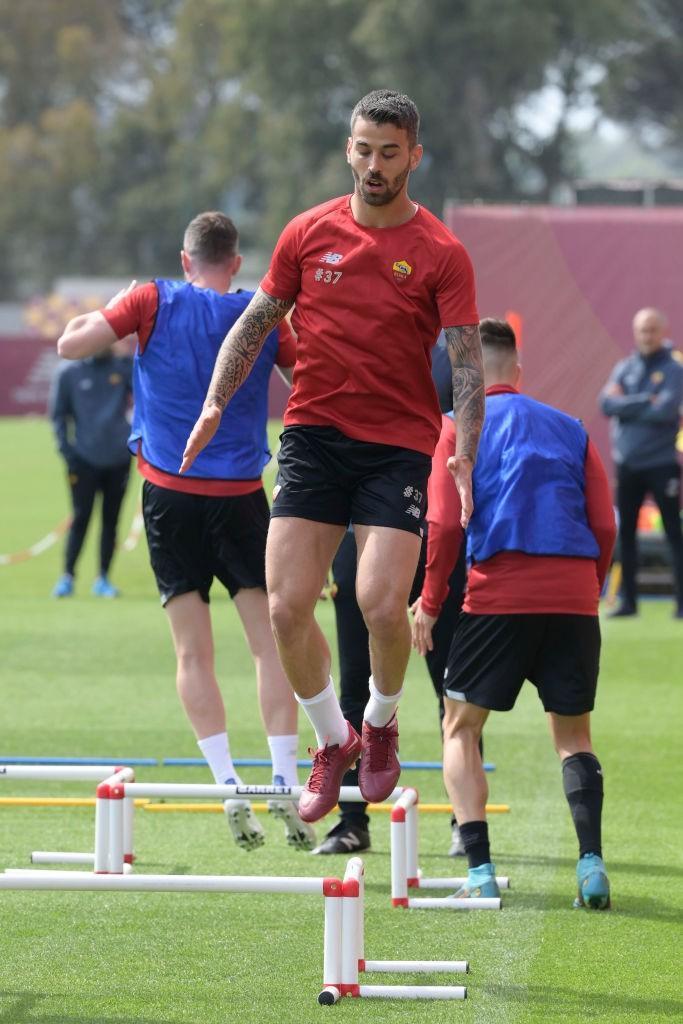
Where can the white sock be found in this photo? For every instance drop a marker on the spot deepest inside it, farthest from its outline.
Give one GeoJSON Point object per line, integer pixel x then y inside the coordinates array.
{"type": "Point", "coordinates": [283, 751]}
{"type": "Point", "coordinates": [325, 715]}
{"type": "Point", "coordinates": [380, 708]}
{"type": "Point", "coordinates": [216, 750]}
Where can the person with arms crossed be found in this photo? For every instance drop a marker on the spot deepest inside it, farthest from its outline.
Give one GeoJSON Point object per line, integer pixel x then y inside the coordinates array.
{"type": "Point", "coordinates": [644, 398]}
{"type": "Point", "coordinates": [89, 405]}
{"type": "Point", "coordinates": [372, 277]}
{"type": "Point", "coordinates": [214, 522]}
{"type": "Point", "coordinates": [539, 544]}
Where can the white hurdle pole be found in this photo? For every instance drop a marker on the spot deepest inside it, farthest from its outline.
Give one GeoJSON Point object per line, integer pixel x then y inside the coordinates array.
{"type": "Point", "coordinates": [56, 773]}
{"type": "Point", "coordinates": [86, 880]}
{"type": "Point", "coordinates": [57, 857]}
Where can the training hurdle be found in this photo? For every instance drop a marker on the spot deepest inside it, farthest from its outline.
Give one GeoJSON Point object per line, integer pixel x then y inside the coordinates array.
{"type": "Point", "coordinates": [405, 872]}
{"type": "Point", "coordinates": [353, 962]}
{"type": "Point", "coordinates": [344, 914]}
{"type": "Point", "coordinates": [121, 846]}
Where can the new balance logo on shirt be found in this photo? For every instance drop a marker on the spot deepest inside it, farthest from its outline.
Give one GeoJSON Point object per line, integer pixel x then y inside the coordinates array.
{"type": "Point", "coordinates": [331, 257]}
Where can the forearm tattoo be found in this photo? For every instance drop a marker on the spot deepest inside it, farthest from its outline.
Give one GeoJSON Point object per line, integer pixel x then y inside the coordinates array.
{"type": "Point", "coordinates": [242, 345]}
{"type": "Point", "coordinates": [464, 351]}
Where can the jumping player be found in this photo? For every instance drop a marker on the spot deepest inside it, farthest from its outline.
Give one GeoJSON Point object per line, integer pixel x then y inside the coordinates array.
{"type": "Point", "coordinates": [540, 542]}
{"type": "Point", "coordinates": [213, 523]}
{"type": "Point", "coordinates": [372, 278]}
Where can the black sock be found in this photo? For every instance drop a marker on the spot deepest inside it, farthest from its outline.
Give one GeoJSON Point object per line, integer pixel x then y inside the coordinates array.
{"type": "Point", "coordinates": [475, 839]}
{"type": "Point", "coordinates": [582, 781]}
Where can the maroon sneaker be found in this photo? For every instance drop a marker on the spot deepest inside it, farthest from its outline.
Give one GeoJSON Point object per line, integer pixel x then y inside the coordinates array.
{"type": "Point", "coordinates": [379, 766]}
{"type": "Point", "coordinates": [321, 791]}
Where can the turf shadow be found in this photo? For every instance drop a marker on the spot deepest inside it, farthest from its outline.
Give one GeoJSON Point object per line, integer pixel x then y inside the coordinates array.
{"type": "Point", "coordinates": [22, 1005]}
{"type": "Point", "coordinates": [571, 1004]}
{"type": "Point", "coordinates": [613, 866]}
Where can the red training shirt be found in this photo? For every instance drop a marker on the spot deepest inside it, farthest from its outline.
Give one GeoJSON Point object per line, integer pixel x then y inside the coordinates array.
{"type": "Point", "coordinates": [136, 313]}
{"type": "Point", "coordinates": [512, 582]}
{"type": "Point", "coordinates": [369, 306]}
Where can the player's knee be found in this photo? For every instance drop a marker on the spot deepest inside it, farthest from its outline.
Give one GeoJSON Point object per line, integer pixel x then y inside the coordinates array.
{"type": "Point", "coordinates": [462, 721]}
{"type": "Point", "coordinates": [385, 618]}
{"type": "Point", "coordinates": [287, 618]}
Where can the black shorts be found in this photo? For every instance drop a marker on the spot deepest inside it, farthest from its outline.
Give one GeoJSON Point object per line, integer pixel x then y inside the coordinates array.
{"type": "Point", "coordinates": [492, 655]}
{"type": "Point", "coordinates": [330, 478]}
{"type": "Point", "coordinates": [193, 538]}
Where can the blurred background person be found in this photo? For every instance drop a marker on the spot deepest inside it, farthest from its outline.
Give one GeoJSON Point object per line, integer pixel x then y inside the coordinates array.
{"type": "Point", "coordinates": [643, 397]}
{"type": "Point", "coordinates": [89, 406]}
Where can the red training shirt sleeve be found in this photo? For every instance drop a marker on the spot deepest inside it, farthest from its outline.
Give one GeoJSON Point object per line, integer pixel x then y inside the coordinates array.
{"type": "Point", "coordinates": [283, 279]}
{"type": "Point", "coordinates": [599, 510]}
{"type": "Point", "coordinates": [135, 313]}
{"type": "Point", "coordinates": [286, 352]}
{"type": "Point", "coordinates": [444, 532]}
{"type": "Point", "coordinates": [455, 293]}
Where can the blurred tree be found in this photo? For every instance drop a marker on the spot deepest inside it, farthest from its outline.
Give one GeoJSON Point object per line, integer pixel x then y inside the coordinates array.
{"type": "Point", "coordinates": [121, 120]}
{"type": "Point", "coordinates": [644, 84]}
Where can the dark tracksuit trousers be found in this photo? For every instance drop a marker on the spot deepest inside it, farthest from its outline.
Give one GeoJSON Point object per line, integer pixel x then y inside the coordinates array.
{"type": "Point", "coordinates": [354, 655]}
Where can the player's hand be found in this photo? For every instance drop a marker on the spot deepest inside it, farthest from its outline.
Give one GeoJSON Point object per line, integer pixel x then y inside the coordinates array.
{"type": "Point", "coordinates": [421, 628]}
{"type": "Point", "coordinates": [119, 295]}
{"type": "Point", "coordinates": [202, 432]}
{"type": "Point", "coordinates": [460, 467]}
{"type": "Point", "coordinates": [614, 390]}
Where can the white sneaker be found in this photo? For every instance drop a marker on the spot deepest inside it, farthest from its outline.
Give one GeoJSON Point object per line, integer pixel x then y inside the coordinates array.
{"type": "Point", "coordinates": [457, 846]}
{"type": "Point", "coordinates": [298, 833]}
{"type": "Point", "coordinates": [242, 822]}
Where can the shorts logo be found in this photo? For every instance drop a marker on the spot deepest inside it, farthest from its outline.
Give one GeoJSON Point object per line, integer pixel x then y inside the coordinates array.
{"type": "Point", "coordinates": [402, 270]}
{"type": "Point", "coordinates": [331, 257]}
{"type": "Point", "coordinates": [413, 510]}
{"type": "Point", "coordinates": [276, 490]}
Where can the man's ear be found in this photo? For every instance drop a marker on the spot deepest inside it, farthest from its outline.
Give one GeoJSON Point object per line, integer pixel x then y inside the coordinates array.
{"type": "Point", "coordinates": [416, 156]}
{"type": "Point", "coordinates": [236, 264]}
{"type": "Point", "coordinates": [349, 142]}
{"type": "Point", "coordinates": [186, 264]}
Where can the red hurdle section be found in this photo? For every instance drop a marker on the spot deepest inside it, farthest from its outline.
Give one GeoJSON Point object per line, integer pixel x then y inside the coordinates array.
{"type": "Point", "coordinates": [406, 874]}
{"type": "Point", "coordinates": [353, 961]}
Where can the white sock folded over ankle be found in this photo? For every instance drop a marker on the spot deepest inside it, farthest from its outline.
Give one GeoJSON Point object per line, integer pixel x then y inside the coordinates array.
{"type": "Point", "coordinates": [381, 707]}
{"type": "Point", "coordinates": [325, 715]}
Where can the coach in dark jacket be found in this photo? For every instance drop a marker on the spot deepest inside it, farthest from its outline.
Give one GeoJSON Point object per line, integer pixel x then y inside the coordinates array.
{"type": "Point", "coordinates": [643, 396]}
{"type": "Point", "coordinates": [89, 402]}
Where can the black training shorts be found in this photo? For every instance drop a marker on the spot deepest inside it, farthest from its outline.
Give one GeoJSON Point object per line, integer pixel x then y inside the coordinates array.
{"type": "Point", "coordinates": [193, 538]}
{"type": "Point", "coordinates": [492, 655]}
{"type": "Point", "coordinates": [330, 478]}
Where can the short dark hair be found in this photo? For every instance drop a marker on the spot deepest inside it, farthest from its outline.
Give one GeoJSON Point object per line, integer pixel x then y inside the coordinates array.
{"type": "Point", "coordinates": [383, 106]}
{"type": "Point", "coordinates": [498, 334]}
{"type": "Point", "coordinates": [211, 237]}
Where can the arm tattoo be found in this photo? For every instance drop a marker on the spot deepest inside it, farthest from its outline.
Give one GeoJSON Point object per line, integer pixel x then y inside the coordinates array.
{"type": "Point", "coordinates": [242, 345]}
{"type": "Point", "coordinates": [464, 352]}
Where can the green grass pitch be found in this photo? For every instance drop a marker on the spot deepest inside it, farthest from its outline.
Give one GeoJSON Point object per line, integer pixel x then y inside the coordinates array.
{"type": "Point", "coordinates": [89, 677]}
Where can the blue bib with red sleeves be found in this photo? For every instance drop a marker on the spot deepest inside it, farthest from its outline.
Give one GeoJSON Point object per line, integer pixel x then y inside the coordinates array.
{"type": "Point", "coordinates": [529, 482]}
{"type": "Point", "coordinates": [171, 378]}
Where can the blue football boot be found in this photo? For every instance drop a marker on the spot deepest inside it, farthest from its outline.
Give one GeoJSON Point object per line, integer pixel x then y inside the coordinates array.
{"type": "Point", "coordinates": [593, 883]}
{"type": "Point", "coordinates": [64, 587]}
{"type": "Point", "coordinates": [103, 588]}
{"type": "Point", "coordinates": [481, 882]}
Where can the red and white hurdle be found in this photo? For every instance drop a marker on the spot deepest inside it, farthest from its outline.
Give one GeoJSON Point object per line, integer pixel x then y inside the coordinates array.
{"type": "Point", "coordinates": [344, 910]}
{"type": "Point", "coordinates": [406, 874]}
{"type": "Point", "coordinates": [121, 828]}
{"type": "Point", "coordinates": [352, 956]}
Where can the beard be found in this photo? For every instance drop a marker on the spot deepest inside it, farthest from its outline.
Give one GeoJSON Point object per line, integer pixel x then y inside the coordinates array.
{"type": "Point", "coordinates": [380, 197]}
